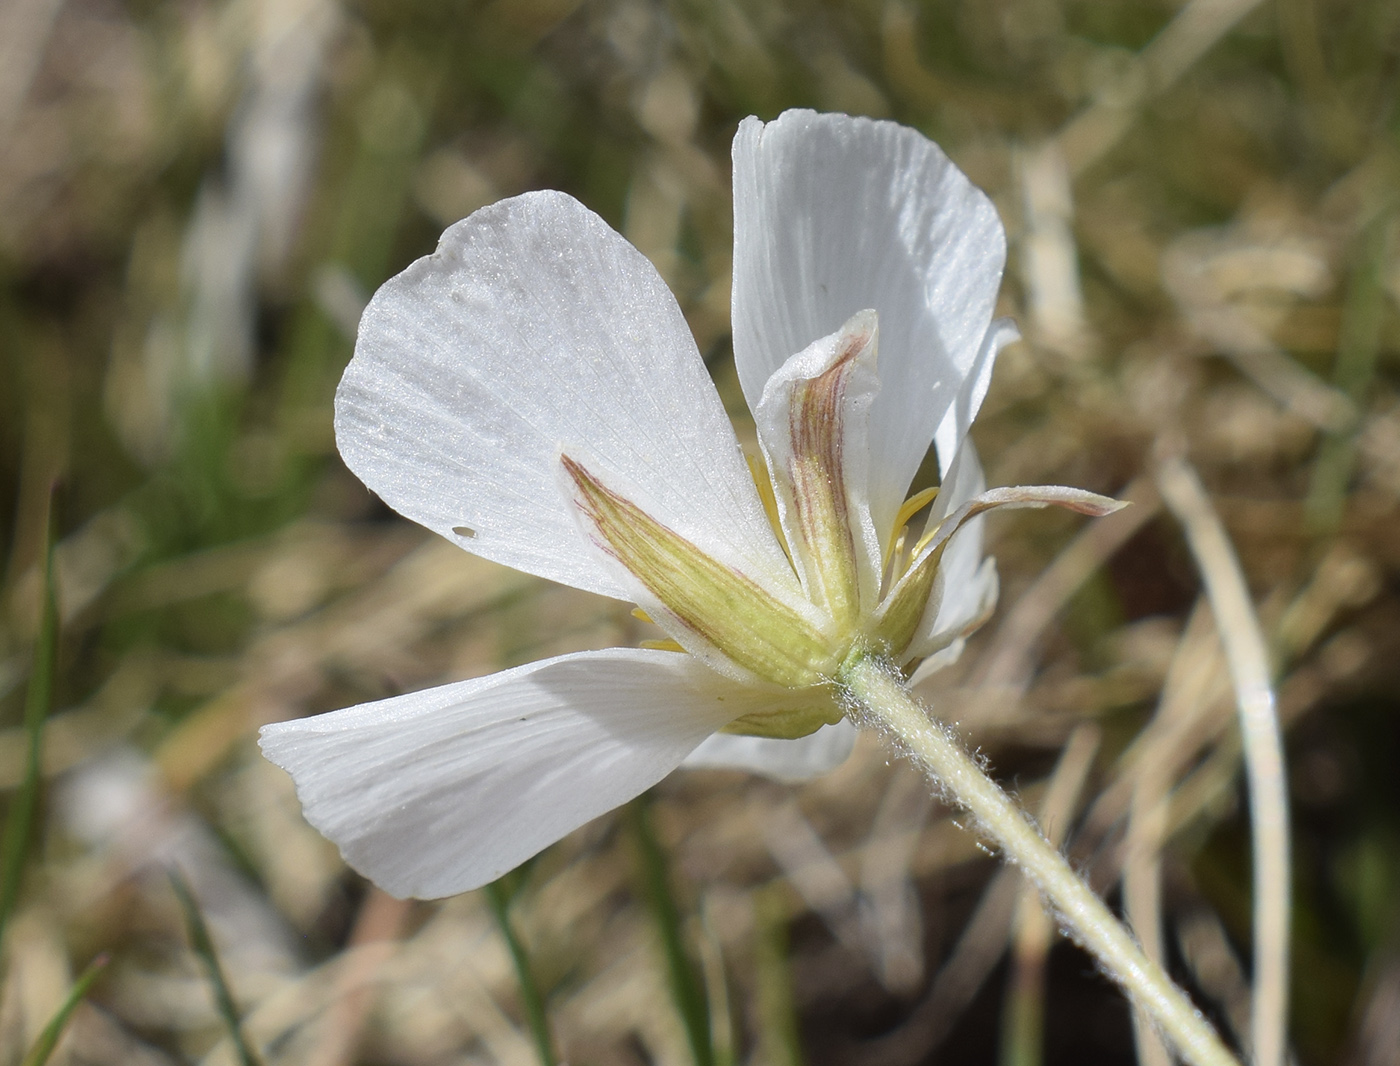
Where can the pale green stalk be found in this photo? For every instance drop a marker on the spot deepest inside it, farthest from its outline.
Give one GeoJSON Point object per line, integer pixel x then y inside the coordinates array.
{"type": "Point", "coordinates": [881, 700]}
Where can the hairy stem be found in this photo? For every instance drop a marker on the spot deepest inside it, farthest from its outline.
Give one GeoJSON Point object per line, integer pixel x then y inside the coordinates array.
{"type": "Point", "coordinates": [884, 703]}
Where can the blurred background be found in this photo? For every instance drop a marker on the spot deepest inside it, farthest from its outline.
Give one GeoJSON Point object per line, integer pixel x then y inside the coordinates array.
{"type": "Point", "coordinates": [197, 198]}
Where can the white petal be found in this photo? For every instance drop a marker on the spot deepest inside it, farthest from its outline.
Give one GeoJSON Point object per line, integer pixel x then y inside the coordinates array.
{"type": "Point", "coordinates": [441, 791]}
{"type": "Point", "coordinates": [783, 760]}
{"type": "Point", "coordinates": [536, 330]}
{"type": "Point", "coordinates": [957, 420]}
{"type": "Point", "coordinates": [958, 617]}
{"type": "Point", "coordinates": [835, 214]}
{"type": "Point", "coordinates": [939, 660]}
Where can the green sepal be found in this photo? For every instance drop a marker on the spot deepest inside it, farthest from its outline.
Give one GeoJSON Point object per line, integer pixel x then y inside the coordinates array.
{"type": "Point", "coordinates": [724, 608]}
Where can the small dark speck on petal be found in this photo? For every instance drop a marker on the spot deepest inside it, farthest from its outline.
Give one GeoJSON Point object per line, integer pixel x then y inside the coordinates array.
{"type": "Point", "coordinates": [464, 531]}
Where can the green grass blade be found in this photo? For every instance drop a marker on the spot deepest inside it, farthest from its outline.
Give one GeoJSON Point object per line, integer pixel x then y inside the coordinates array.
{"type": "Point", "coordinates": [722, 1035]}
{"type": "Point", "coordinates": [1354, 369]}
{"type": "Point", "coordinates": [529, 991]}
{"type": "Point", "coordinates": [19, 823]}
{"type": "Point", "coordinates": [48, 1039]}
{"type": "Point", "coordinates": [780, 1043]}
{"type": "Point", "coordinates": [203, 946]}
{"type": "Point", "coordinates": [687, 989]}
{"type": "Point", "coordinates": [1023, 1018]}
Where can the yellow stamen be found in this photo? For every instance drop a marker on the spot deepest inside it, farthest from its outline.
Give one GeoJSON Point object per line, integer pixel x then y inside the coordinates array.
{"type": "Point", "coordinates": [912, 506]}
{"type": "Point", "coordinates": [662, 645]}
{"type": "Point", "coordinates": [925, 541]}
{"type": "Point", "coordinates": [894, 558]}
{"type": "Point", "coordinates": [758, 470]}
{"type": "Point", "coordinates": [642, 616]}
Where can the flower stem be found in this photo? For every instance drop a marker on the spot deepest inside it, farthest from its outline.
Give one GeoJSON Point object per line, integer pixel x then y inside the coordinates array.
{"type": "Point", "coordinates": [883, 702]}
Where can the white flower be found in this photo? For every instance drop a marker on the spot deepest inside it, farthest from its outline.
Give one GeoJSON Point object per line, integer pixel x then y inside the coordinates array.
{"type": "Point", "coordinates": [531, 392]}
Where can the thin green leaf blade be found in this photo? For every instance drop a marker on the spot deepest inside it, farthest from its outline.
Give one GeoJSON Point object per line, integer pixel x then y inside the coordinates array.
{"type": "Point", "coordinates": [687, 988]}
{"type": "Point", "coordinates": [780, 1041]}
{"type": "Point", "coordinates": [203, 946]}
{"type": "Point", "coordinates": [530, 994]}
{"type": "Point", "coordinates": [48, 1039]}
{"type": "Point", "coordinates": [19, 822]}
